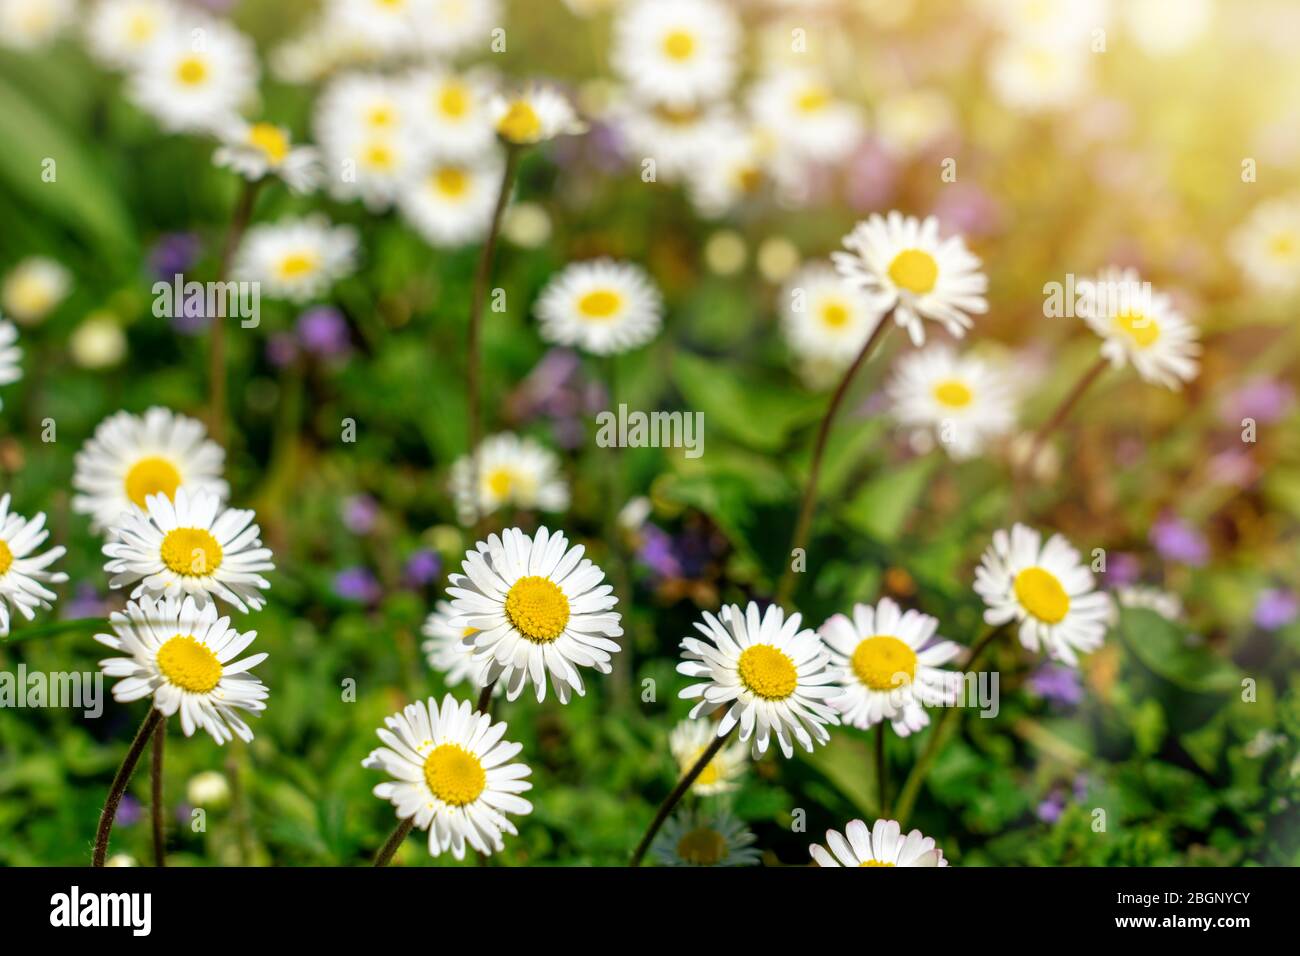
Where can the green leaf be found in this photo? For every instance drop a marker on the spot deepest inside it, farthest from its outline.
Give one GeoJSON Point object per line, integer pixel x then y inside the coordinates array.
{"type": "Point", "coordinates": [1162, 646]}
{"type": "Point", "coordinates": [756, 414]}
{"type": "Point", "coordinates": [882, 506]}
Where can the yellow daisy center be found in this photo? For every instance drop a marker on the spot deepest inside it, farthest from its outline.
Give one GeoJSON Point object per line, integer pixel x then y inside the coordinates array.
{"type": "Point", "coordinates": [875, 863]}
{"type": "Point", "coordinates": [703, 846]}
{"type": "Point", "coordinates": [1283, 245]}
{"type": "Point", "coordinates": [600, 304]}
{"type": "Point", "coordinates": [679, 45]}
{"type": "Point", "coordinates": [677, 116]}
{"type": "Point", "coordinates": [835, 315]}
{"type": "Point", "coordinates": [191, 552]}
{"type": "Point", "coordinates": [500, 482]}
{"type": "Point", "coordinates": [189, 664]}
{"type": "Point", "coordinates": [30, 293]}
{"type": "Point", "coordinates": [812, 100]}
{"type": "Point", "coordinates": [520, 124]}
{"type": "Point", "coordinates": [767, 672]}
{"type": "Point", "coordinates": [381, 116]}
{"type": "Point", "coordinates": [270, 140]}
{"type": "Point", "coordinates": [6, 557]}
{"type": "Point", "coordinates": [1041, 594]}
{"type": "Point", "coordinates": [192, 71]}
{"type": "Point", "coordinates": [451, 181]}
{"type": "Point", "coordinates": [151, 476]}
{"type": "Point", "coordinates": [455, 775]}
{"type": "Point", "coordinates": [883, 662]}
{"type": "Point", "coordinates": [1142, 329]}
{"type": "Point", "coordinates": [749, 179]}
{"type": "Point", "coordinates": [454, 100]}
{"type": "Point", "coordinates": [140, 28]}
{"type": "Point", "coordinates": [537, 608]}
{"type": "Point", "coordinates": [914, 270]}
{"type": "Point", "coordinates": [953, 393]}
{"type": "Point", "coordinates": [297, 264]}
{"type": "Point", "coordinates": [379, 156]}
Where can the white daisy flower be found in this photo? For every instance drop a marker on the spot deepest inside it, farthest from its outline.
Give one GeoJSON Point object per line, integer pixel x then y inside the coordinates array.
{"type": "Point", "coordinates": [888, 666]}
{"type": "Point", "coordinates": [512, 471]}
{"type": "Point", "coordinates": [824, 318]}
{"type": "Point", "coordinates": [677, 51]}
{"type": "Point", "coordinates": [1166, 604]}
{"type": "Point", "coordinates": [34, 288]}
{"type": "Point", "coordinates": [773, 677]}
{"type": "Point", "coordinates": [365, 124]}
{"type": "Point", "coordinates": [799, 110]}
{"type": "Point", "coordinates": [10, 355]}
{"type": "Point", "coordinates": [1034, 76]}
{"type": "Point", "coordinates": [1055, 21]}
{"type": "Point", "coordinates": [1267, 245]}
{"type": "Point", "coordinates": [446, 28]}
{"type": "Point", "coordinates": [451, 775]}
{"type": "Point", "coordinates": [190, 545]}
{"type": "Point", "coordinates": [452, 112]}
{"type": "Point", "coordinates": [32, 24]}
{"type": "Point", "coordinates": [256, 149]}
{"type": "Point", "coordinates": [601, 306]}
{"type": "Point", "coordinates": [451, 202]}
{"type": "Point", "coordinates": [538, 606]}
{"type": "Point", "coordinates": [734, 169]}
{"type": "Point", "coordinates": [196, 76]}
{"type": "Point", "coordinates": [961, 402]}
{"type": "Point", "coordinates": [120, 33]}
{"type": "Point", "coordinates": [535, 114]}
{"type": "Point", "coordinates": [1046, 590]}
{"type": "Point", "coordinates": [296, 259]}
{"type": "Point", "coordinates": [183, 654]}
{"type": "Point", "coordinates": [381, 27]}
{"type": "Point", "coordinates": [704, 838]}
{"type": "Point", "coordinates": [678, 139]}
{"type": "Point", "coordinates": [131, 457]}
{"type": "Point", "coordinates": [1142, 327]}
{"type": "Point", "coordinates": [1162, 28]}
{"type": "Point", "coordinates": [23, 575]}
{"type": "Point", "coordinates": [909, 121]}
{"type": "Point", "coordinates": [902, 262]}
{"type": "Point", "coordinates": [688, 741]}
{"type": "Point", "coordinates": [882, 845]}
{"type": "Point", "coordinates": [448, 649]}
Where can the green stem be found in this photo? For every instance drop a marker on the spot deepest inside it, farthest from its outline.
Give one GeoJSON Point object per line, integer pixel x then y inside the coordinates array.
{"type": "Point", "coordinates": [676, 795]}
{"type": "Point", "coordinates": [394, 840]}
{"type": "Point", "coordinates": [115, 791]}
{"type": "Point", "coordinates": [76, 624]}
{"type": "Point", "coordinates": [156, 794]}
{"type": "Point", "coordinates": [239, 221]}
{"type": "Point", "coordinates": [882, 778]}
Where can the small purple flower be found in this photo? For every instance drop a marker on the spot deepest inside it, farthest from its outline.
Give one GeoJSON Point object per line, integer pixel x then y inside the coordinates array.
{"type": "Point", "coordinates": [360, 513]}
{"type": "Point", "coordinates": [1275, 609]}
{"type": "Point", "coordinates": [1050, 810]}
{"type": "Point", "coordinates": [86, 602]}
{"type": "Point", "coordinates": [323, 331]}
{"type": "Point", "coordinates": [357, 584]}
{"type": "Point", "coordinates": [193, 318]}
{"type": "Point", "coordinates": [967, 209]}
{"type": "Point", "coordinates": [1057, 684]}
{"type": "Point", "coordinates": [281, 349]}
{"type": "Point", "coordinates": [1176, 540]}
{"type": "Point", "coordinates": [1122, 569]}
{"type": "Point", "coordinates": [184, 812]}
{"type": "Point", "coordinates": [422, 567]}
{"type": "Point", "coordinates": [1265, 400]}
{"type": "Point", "coordinates": [173, 254]}
{"type": "Point", "coordinates": [129, 811]}
{"type": "Point", "coordinates": [872, 177]}
{"type": "Point", "coordinates": [656, 552]}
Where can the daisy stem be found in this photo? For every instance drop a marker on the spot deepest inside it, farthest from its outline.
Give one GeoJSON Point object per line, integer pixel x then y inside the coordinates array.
{"type": "Point", "coordinates": [882, 772]}
{"type": "Point", "coordinates": [786, 588]}
{"type": "Point", "coordinates": [1062, 412]}
{"type": "Point", "coordinates": [239, 221]}
{"type": "Point", "coordinates": [621, 677]}
{"type": "Point", "coordinates": [394, 840]}
{"type": "Point", "coordinates": [156, 794]}
{"type": "Point", "coordinates": [58, 627]}
{"type": "Point", "coordinates": [678, 792]}
{"type": "Point", "coordinates": [151, 723]}
{"type": "Point", "coordinates": [912, 785]}
{"type": "Point", "coordinates": [485, 698]}
{"type": "Point", "coordinates": [473, 346]}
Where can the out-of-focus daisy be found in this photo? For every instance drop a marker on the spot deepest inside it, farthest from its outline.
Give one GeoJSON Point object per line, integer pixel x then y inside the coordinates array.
{"type": "Point", "coordinates": [451, 774]}
{"type": "Point", "coordinates": [1142, 327]}
{"type": "Point", "coordinates": [538, 606]}
{"type": "Point", "coordinates": [196, 76]}
{"type": "Point", "coordinates": [296, 259]}
{"type": "Point", "coordinates": [902, 262]}
{"type": "Point", "coordinates": [365, 124]}
{"type": "Point", "coordinates": [33, 288]}
{"type": "Point", "coordinates": [676, 138]}
{"type": "Point", "coordinates": [119, 33]}
{"type": "Point", "coordinates": [98, 342]}
{"type": "Point", "coordinates": [31, 24]}
{"type": "Point", "coordinates": [1051, 21]}
{"type": "Point", "coordinates": [535, 114]}
{"type": "Point", "coordinates": [882, 845]}
{"type": "Point", "coordinates": [452, 112]}
{"type": "Point", "coordinates": [798, 108]}
{"type": "Point", "coordinates": [909, 121]}
{"type": "Point", "coordinates": [23, 575]}
{"type": "Point", "coordinates": [704, 838]}
{"type": "Point", "coordinates": [448, 27]}
{"type": "Point", "coordinates": [512, 471]}
{"type": "Point", "coordinates": [961, 402]}
{"type": "Point", "coordinates": [255, 149]}
{"type": "Point", "coordinates": [824, 318]}
{"type": "Point", "coordinates": [601, 306]}
{"type": "Point", "coordinates": [677, 51]}
{"type": "Point", "coordinates": [131, 457]}
{"type": "Point", "coordinates": [888, 666]}
{"type": "Point", "coordinates": [10, 355]}
{"type": "Point", "coordinates": [381, 27]}
{"type": "Point", "coordinates": [447, 648]}
{"type": "Point", "coordinates": [1267, 245]}
{"type": "Point", "coordinates": [189, 545]}
{"type": "Point", "coordinates": [1046, 590]}
{"type": "Point", "coordinates": [183, 654]}
{"type": "Point", "coordinates": [733, 169]}
{"type": "Point", "coordinates": [772, 676]}
{"type": "Point", "coordinates": [688, 741]}
{"type": "Point", "coordinates": [1034, 76]}
{"type": "Point", "coordinates": [1166, 604]}
{"type": "Point", "coordinates": [452, 201]}
{"type": "Point", "coordinates": [1162, 28]}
